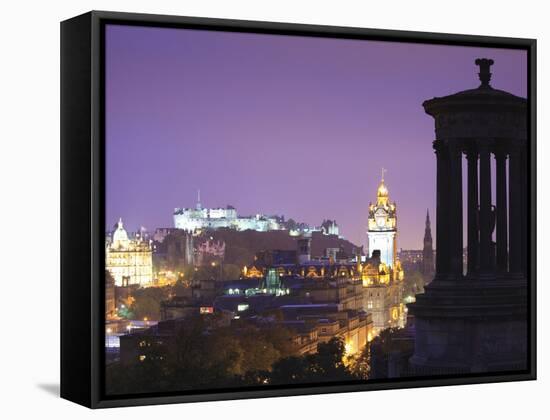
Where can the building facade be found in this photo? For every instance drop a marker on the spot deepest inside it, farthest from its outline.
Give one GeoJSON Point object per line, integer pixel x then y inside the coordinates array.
{"type": "Point", "coordinates": [129, 260]}
{"type": "Point", "coordinates": [382, 226]}
{"type": "Point", "coordinates": [383, 274]}
{"type": "Point", "coordinates": [199, 218]}
{"type": "Point", "coordinates": [411, 259]}
{"type": "Point", "coordinates": [383, 293]}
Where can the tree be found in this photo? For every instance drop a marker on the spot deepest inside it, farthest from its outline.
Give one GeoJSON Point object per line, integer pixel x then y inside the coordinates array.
{"type": "Point", "coordinates": [330, 361]}
{"type": "Point", "coordinates": [291, 224]}
{"type": "Point", "coordinates": [203, 356]}
{"type": "Point", "coordinates": [360, 365]}
{"type": "Point", "coordinates": [259, 352]}
{"type": "Point", "coordinates": [289, 370]}
{"type": "Point", "coordinates": [381, 349]}
{"type": "Point", "coordinates": [281, 338]}
{"type": "Point", "coordinates": [146, 307]}
{"type": "Point", "coordinates": [325, 365]}
{"type": "Point", "coordinates": [146, 302]}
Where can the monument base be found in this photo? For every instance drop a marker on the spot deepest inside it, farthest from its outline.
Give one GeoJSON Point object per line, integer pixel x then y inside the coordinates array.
{"type": "Point", "coordinates": [470, 325]}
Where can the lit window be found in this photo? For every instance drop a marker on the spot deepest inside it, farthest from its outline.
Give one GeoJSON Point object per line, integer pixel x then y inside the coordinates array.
{"type": "Point", "coordinates": [142, 357]}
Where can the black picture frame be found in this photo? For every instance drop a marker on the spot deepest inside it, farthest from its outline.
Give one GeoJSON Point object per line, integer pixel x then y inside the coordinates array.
{"type": "Point", "coordinates": [83, 197]}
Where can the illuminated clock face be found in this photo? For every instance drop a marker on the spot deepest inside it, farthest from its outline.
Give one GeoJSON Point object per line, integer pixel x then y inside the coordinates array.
{"type": "Point", "coordinates": [380, 218]}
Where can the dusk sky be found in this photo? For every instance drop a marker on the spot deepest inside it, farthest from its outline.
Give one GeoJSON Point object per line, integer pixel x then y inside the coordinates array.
{"type": "Point", "coordinates": [273, 124]}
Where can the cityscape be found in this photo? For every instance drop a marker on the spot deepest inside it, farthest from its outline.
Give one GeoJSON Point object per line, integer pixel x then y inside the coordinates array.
{"type": "Point", "coordinates": [419, 271]}
{"type": "Point", "coordinates": [317, 291]}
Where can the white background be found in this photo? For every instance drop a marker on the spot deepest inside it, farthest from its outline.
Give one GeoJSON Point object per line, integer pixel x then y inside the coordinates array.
{"type": "Point", "coordinates": [29, 209]}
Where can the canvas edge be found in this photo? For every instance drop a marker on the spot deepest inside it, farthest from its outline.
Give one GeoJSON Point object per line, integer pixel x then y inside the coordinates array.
{"type": "Point", "coordinates": [96, 191]}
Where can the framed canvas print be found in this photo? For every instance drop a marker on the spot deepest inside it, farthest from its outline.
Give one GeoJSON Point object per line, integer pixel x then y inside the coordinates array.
{"type": "Point", "coordinates": [255, 209]}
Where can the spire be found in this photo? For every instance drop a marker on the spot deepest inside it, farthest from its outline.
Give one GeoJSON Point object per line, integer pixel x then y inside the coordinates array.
{"type": "Point", "coordinates": [120, 224]}
{"type": "Point", "coordinates": [382, 192]}
{"type": "Point", "coordinates": [428, 230]}
{"type": "Point", "coordinates": [199, 206]}
{"type": "Point", "coordinates": [427, 252]}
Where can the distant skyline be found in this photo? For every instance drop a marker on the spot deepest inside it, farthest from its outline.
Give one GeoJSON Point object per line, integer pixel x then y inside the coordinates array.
{"type": "Point", "coordinates": [274, 124]}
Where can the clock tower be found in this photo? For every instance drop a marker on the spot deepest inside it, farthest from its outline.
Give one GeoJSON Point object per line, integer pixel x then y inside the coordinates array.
{"type": "Point", "coordinates": [382, 226]}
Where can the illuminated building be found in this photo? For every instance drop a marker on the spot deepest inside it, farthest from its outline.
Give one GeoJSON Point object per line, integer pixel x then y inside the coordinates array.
{"type": "Point", "coordinates": [130, 261]}
{"type": "Point", "coordinates": [329, 227]}
{"type": "Point", "coordinates": [199, 218]}
{"type": "Point", "coordinates": [210, 250]}
{"type": "Point", "coordinates": [383, 293]}
{"type": "Point", "coordinates": [382, 274]}
{"type": "Point", "coordinates": [382, 227]}
{"type": "Point", "coordinates": [161, 233]}
{"type": "Point", "coordinates": [272, 283]}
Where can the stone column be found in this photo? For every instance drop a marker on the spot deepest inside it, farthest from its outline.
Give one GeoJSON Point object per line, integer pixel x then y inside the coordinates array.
{"type": "Point", "coordinates": [516, 203]}
{"type": "Point", "coordinates": [473, 204]}
{"type": "Point", "coordinates": [485, 263]}
{"type": "Point", "coordinates": [455, 210]}
{"type": "Point", "coordinates": [442, 213]}
{"type": "Point", "coordinates": [502, 212]}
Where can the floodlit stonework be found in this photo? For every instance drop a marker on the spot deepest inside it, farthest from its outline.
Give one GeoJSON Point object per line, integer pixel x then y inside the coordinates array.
{"type": "Point", "coordinates": [130, 261]}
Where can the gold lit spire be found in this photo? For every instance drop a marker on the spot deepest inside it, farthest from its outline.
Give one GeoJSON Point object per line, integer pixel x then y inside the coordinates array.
{"type": "Point", "coordinates": [382, 192]}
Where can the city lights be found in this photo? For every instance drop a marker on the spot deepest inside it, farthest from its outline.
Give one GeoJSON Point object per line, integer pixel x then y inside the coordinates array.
{"type": "Point", "coordinates": [307, 277]}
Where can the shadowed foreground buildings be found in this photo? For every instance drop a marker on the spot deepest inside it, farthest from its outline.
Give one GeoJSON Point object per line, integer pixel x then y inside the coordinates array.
{"type": "Point", "coordinates": [477, 322]}
{"type": "Point", "coordinates": [314, 300]}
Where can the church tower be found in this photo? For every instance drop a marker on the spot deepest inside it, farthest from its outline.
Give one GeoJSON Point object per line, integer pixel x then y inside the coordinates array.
{"type": "Point", "coordinates": [428, 266]}
{"type": "Point", "coordinates": [382, 226]}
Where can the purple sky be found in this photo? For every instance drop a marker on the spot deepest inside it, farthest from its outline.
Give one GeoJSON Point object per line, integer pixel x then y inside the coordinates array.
{"type": "Point", "coordinates": [278, 124]}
